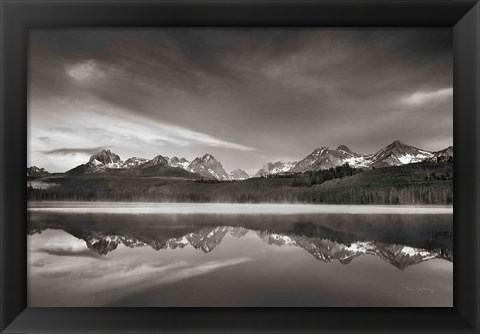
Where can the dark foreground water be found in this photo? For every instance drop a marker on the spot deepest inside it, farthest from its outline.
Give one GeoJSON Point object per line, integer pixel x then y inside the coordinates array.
{"type": "Point", "coordinates": [114, 254]}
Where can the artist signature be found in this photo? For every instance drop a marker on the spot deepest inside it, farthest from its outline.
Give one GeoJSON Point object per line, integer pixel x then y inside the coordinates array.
{"type": "Point", "coordinates": [418, 289]}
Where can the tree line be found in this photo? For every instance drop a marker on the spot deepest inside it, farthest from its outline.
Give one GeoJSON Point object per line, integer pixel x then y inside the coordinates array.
{"type": "Point", "coordinates": [417, 184]}
{"type": "Point", "coordinates": [420, 194]}
{"type": "Point", "coordinates": [310, 178]}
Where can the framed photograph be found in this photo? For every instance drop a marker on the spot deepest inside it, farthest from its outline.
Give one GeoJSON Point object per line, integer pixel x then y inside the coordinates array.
{"type": "Point", "coordinates": [240, 166]}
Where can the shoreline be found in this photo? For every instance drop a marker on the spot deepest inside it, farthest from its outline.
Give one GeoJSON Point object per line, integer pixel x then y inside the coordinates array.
{"type": "Point", "coordinates": [231, 208]}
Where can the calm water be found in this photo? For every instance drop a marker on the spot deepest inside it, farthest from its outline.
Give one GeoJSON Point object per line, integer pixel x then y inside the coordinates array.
{"type": "Point", "coordinates": [121, 254]}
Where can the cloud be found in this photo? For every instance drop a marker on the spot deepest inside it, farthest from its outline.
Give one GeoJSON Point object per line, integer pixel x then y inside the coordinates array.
{"type": "Point", "coordinates": [423, 97]}
{"type": "Point", "coordinates": [186, 136]}
{"type": "Point", "coordinates": [45, 139]}
{"type": "Point", "coordinates": [90, 126]}
{"type": "Point", "coordinates": [74, 150]}
{"type": "Point", "coordinates": [231, 92]}
{"type": "Point", "coordinates": [86, 70]}
{"type": "Point", "coordinates": [71, 252]}
{"type": "Point", "coordinates": [67, 246]}
{"type": "Point", "coordinates": [102, 283]}
{"type": "Point", "coordinates": [110, 125]}
{"type": "Point", "coordinates": [61, 129]}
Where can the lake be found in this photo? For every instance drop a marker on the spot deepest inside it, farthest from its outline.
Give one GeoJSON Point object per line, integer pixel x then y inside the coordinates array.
{"type": "Point", "coordinates": [177, 254]}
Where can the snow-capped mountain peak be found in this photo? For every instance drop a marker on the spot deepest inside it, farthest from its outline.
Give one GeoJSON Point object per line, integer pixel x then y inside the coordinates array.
{"type": "Point", "coordinates": [208, 167]}
{"type": "Point", "coordinates": [133, 162]}
{"type": "Point", "coordinates": [398, 153]}
{"type": "Point", "coordinates": [106, 162]}
{"type": "Point", "coordinates": [158, 160]}
{"type": "Point", "coordinates": [106, 158]}
{"type": "Point", "coordinates": [278, 167]}
{"type": "Point", "coordinates": [178, 162]}
{"type": "Point", "coordinates": [395, 154]}
{"type": "Point", "coordinates": [319, 151]}
{"type": "Point", "coordinates": [324, 158]}
{"type": "Point", "coordinates": [208, 157]}
{"type": "Point", "coordinates": [100, 162]}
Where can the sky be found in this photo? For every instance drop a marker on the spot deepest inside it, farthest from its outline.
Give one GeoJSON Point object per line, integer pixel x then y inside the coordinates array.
{"type": "Point", "coordinates": [248, 96]}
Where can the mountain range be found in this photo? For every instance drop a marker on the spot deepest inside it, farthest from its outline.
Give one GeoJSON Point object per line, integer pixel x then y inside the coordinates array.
{"type": "Point", "coordinates": [34, 171]}
{"type": "Point", "coordinates": [207, 167]}
{"type": "Point", "coordinates": [395, 154]}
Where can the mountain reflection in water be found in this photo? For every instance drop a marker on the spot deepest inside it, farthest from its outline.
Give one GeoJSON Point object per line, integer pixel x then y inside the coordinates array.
{"type": "Point", "coordinates": [104, 259]}
{"type": "Point", "coordinates": [399, 240]}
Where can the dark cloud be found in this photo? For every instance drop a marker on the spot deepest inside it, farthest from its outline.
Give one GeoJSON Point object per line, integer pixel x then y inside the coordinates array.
{"type": "Point", "coordinates": [71, 252]}
{"type": "Point", "coordinates": [74, 150]}
{"type": "Point", "coordinates": [281, 91]}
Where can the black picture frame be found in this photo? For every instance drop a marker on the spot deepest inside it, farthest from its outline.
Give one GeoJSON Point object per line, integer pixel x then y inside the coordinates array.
{"type": "Point", "coordinates": [17, 17]}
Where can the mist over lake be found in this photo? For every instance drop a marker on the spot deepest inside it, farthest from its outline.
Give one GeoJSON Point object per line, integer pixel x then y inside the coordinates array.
{"type": "Point", "coordinates": [188, 255]}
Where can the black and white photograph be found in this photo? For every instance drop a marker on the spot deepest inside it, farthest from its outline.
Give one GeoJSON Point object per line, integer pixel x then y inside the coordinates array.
{"type": "Point", "coordinates": [240, 167]}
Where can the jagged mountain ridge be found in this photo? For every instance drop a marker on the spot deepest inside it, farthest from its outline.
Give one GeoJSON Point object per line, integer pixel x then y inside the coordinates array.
{"type": "Point", "coordinates": [133, 162]}
{"type": "Point", "coordinates": [395, 154]}
{"type": "Point", "coordinates": [34, 171]}
{"type": "Point", "coordinates": [324, 158]}
{"type": "Point", "coordinates": [107, 162]}
{"type": "Point", "coordinates": [178, 162]}
{"type": "Point", "coordinates": [327, 250]}
{"type": "Point", "coordinates": [275, 168]}
{"type": "Point", "coordinates": [158, 160]}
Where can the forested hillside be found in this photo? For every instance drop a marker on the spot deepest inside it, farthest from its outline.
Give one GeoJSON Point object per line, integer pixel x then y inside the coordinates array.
{"type": "Point", "coordinates": [420, 183]}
